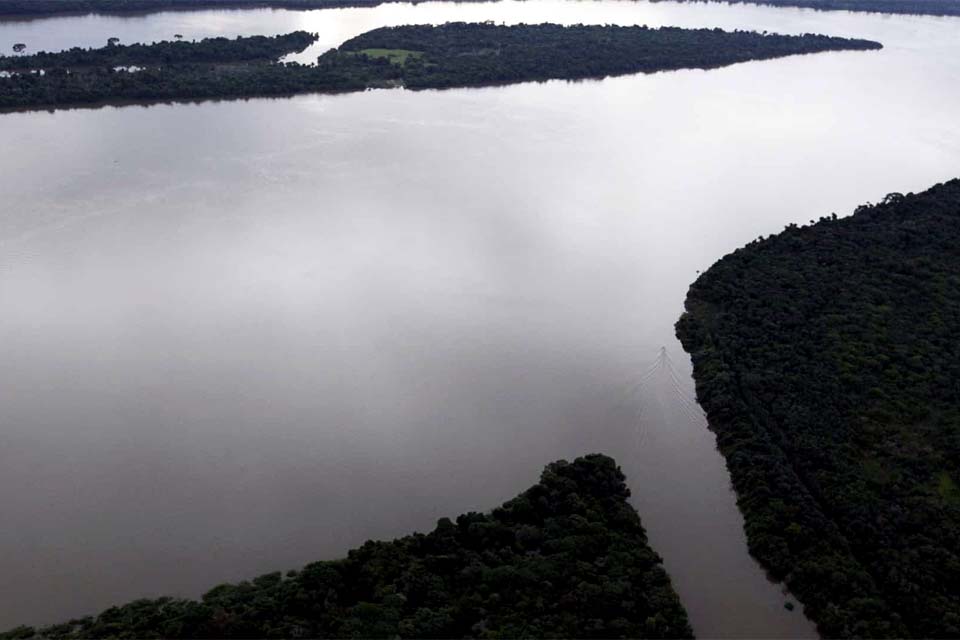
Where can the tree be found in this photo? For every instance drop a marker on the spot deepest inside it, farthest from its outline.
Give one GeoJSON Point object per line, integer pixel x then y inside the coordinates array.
{"type": "Point", "coordinates": [112, 42]}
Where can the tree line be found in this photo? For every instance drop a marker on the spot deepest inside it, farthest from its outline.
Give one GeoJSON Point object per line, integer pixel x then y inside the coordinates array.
{"type": "Point", "coordinates": [566, 558]}
{"type": "Point", "coordinates": [52, 7]}
{"type": "Point", "coordinates": [828, 363]}
{"type": "Point", "coordinates": [57, 7]}
{"type": "Point", "coordinates": [908, 7]}
{"type": "Point", "coordinates": [178, 52]}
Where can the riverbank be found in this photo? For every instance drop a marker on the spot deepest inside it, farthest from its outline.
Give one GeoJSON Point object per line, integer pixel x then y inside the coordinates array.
{"type": "Point", "coordinates": [827, 361]}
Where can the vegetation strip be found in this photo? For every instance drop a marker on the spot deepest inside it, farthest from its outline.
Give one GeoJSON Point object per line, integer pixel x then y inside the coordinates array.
{"type": "Point", "coordinates": [416, 56]}
{"type": "Point", "coordinates": [903, 7]}
{"type": "Point", "coordinates": [828, 363]}
{"type": "Point", "coordinates": [566, 558]}
{"type": "Point", "coordinates": [209, 51]}
{"type": "Point", "coordinates": [53, 7]}
{"type": "Point", "coordinates": [41, 8]}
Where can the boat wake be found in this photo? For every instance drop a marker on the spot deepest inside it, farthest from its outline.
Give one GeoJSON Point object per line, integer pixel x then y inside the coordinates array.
{"type": "Point", "coordinates": [661, 383]}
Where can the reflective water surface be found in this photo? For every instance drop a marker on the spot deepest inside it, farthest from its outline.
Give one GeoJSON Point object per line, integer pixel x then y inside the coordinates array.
{"type": "Point", "coordinates": [240, 336]}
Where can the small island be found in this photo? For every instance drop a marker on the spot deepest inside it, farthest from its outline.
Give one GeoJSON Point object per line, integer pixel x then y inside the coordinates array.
{"type": "Point", "coordinates": [416, 57]}
{"type": "Point", "coordinates": [827, 359]}
{"type": "Point", "coordinates": [566, 558]}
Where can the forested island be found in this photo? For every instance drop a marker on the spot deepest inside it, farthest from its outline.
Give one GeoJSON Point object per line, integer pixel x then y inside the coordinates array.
{"type": "Point", "coordinates": [566, 558]}
{"type": "Point", "coordinates": [417, 57]}
{"type": "Point", "coordinates": [827, 360]}
{"type": "Point", "coordinates": [54, 7]}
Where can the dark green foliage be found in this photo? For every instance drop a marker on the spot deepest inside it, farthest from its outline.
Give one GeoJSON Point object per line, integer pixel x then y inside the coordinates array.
{"type": "Point", "coordinates": [210, 50]}
{"type": "Point", "coordinates": [910, 7]}
{"type": "Point", "coordinates": [567, 558]}
{"type": "Point", "coordinates": [828, 362]}
{"type": "Point", "coordinates": [211, 68]}
{"type": "Point", "coordinates": [462, 54]}
{"type": "Point", "coordinates": [455, 54]}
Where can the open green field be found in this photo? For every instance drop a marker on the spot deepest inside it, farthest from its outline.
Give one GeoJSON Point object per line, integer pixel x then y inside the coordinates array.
{"type": "Point", "coordinates": [396, 56]}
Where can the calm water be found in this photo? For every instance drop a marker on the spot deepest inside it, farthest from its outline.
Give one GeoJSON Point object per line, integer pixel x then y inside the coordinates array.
{"type": "Point", "coordinates": [237, 337]}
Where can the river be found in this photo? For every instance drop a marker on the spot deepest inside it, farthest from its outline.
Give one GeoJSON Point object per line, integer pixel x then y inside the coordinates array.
{"type": "Point", "coordinates": [240, 336]}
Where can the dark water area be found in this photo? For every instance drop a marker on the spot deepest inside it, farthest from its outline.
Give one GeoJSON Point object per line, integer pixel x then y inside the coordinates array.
{"type": "Point", "coordinates": [237, 337]}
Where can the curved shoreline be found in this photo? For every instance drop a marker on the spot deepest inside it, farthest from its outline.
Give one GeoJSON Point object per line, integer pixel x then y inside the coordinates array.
{"type": "Point", "coordinates": [820, 355]}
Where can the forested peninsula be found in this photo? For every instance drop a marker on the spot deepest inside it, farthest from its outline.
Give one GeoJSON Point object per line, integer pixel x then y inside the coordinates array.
{"type": "Point", "coordinates": [53, 7]}
{"type": "Point", "coordinates": [566, 558]}
{"type": "Point", "coordinates": [417, 57]}
{"type": "Point", "coordinates": [827, 360]}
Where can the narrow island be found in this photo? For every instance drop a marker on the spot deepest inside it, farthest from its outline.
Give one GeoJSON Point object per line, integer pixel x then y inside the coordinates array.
{"type": "Point", "coordinates": [566, 558]}
{"type": "Point", "coordinates": [59, 7]}
{"type": "Point", "coordinates": [827, 359]}
{"type": "Point", "coordinates": [416, 57]}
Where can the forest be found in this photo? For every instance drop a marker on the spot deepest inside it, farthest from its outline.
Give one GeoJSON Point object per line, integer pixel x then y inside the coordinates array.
{"type": "Point", "coordinates": [208, 51]}
{"type": "Point", "coordinates": [908, 7]}
{"type": "Point", "coordinates": [416, 57]}
{"type": "Point", "coordinates": [54, 7]}
{"type": "Point", "coordinates": [50, 7]}
{"type": "Point", "coordinates": [827, 360]}
{"type": "Point", "coordinates": [566, 558]}
{"type": "Point", "coordinates": [463, 54]}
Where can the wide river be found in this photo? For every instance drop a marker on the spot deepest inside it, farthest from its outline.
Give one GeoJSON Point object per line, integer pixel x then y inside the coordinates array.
{"type": "Point", "coordinates": [237, 337]}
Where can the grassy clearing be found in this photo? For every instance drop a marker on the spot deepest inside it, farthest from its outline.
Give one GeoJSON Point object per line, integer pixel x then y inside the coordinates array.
{"type": "Point", "coordinates": [396, 56]}
{"type": "Point", "coordinates": [947, 488]}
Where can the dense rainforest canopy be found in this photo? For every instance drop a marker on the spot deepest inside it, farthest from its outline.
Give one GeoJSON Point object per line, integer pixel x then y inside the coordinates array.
{"type": "Point", "coordinates": [566, 558]}
{"type": "Point", "coordinates": [210, 50]}
{"type": "Point", "coordinates": [459, 54]}
{"type": "Point", "coordinates": [828, 362]}
{"type": "Point", "coordinates": [417, 56]}
{"type": "Point", "coordinates": [49, 7]}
